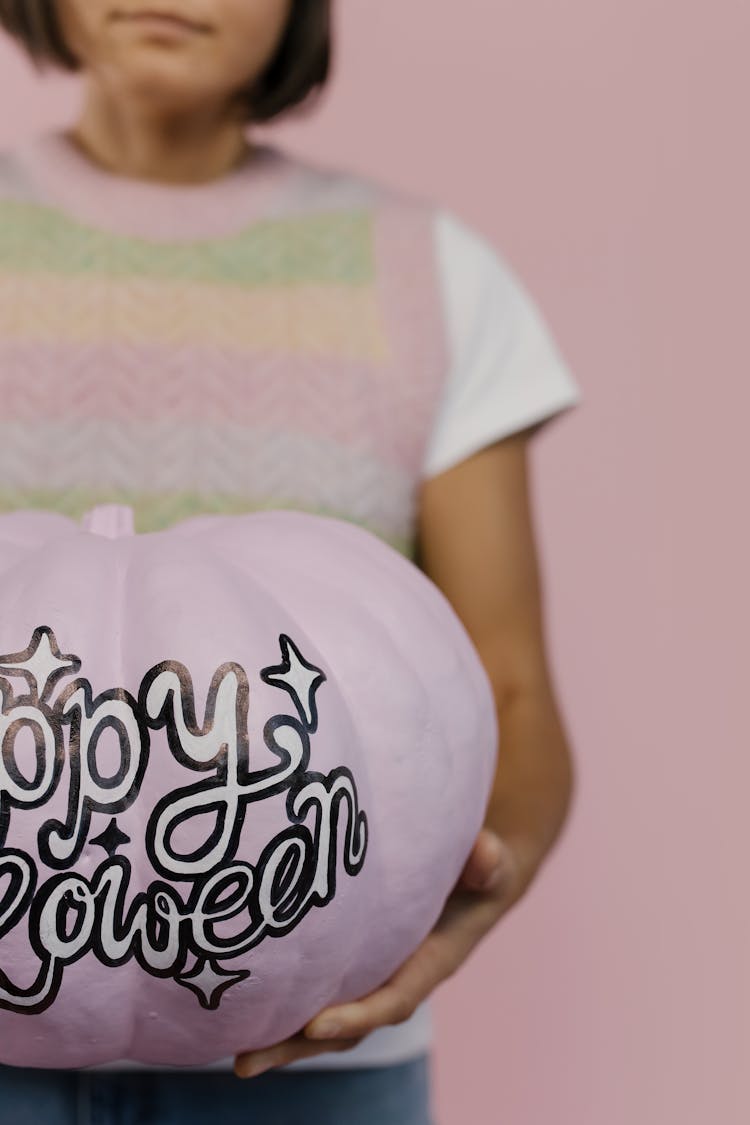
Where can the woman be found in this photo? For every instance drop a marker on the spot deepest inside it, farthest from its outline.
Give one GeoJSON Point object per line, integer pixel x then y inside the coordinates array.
{"type": "Point", "coordinates": [192, 321]}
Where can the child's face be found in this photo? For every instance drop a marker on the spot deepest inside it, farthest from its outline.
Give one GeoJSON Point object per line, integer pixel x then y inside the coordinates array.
{"type": "Point", "coordinates": [169, 65]}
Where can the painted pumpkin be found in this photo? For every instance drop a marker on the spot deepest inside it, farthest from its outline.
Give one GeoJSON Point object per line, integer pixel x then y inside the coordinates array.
{"type": "Point", "coordinates": [242, 764]}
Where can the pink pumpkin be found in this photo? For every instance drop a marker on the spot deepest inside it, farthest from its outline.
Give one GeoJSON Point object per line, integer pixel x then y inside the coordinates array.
{"type": "Point", "coordinates": [242, 764]}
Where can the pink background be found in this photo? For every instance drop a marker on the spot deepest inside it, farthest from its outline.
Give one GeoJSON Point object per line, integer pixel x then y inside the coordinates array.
{"type": "Point", "coordinates": [602, 146]}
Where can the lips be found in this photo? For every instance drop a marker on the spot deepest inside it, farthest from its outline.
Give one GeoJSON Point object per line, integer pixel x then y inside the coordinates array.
{"type": "Point", "coordinates": [166, 19]}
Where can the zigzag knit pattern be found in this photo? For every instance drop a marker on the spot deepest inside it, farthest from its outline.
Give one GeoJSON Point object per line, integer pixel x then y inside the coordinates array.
{"type": "Point", "coordinates": [294, 362]}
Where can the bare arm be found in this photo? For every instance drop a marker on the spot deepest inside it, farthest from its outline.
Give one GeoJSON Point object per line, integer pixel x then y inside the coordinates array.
{"type": "Point", "coordinates": [476, 542]}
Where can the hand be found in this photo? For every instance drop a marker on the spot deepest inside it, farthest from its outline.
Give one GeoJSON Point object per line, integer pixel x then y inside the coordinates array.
{"type": "Point", "coordinates": [494, 877]}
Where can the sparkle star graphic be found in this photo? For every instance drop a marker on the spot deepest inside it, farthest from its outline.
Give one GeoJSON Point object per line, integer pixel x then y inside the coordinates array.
{"type": "Point", "coordinates": [208, 982]}
{"type": "Point", "coordinates": [297, 677]}
{"type": "Point", "coordinates": [111, 838]}
{"type": "Point", "coordinates": [41, 663]}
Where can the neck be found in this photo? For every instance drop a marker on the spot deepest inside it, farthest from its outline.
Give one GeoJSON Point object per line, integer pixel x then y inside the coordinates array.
{"type": "Point", "coordinates": [170, 147]}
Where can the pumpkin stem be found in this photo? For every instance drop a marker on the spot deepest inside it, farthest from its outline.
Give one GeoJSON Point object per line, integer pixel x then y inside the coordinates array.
{"type": "Point", "coordinates": [112, 520]}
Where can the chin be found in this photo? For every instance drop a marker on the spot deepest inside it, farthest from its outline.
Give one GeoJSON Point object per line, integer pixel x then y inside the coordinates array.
{"type": "Point", "coordinates": [166, 87]}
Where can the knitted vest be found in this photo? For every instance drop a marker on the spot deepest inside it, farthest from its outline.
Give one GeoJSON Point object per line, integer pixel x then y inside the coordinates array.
{"type": "Point", "coordinates": [273, 339]}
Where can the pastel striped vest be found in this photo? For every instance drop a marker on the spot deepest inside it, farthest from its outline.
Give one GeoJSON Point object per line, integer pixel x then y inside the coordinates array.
{"type": "Point", "coordinates": [273, 339]}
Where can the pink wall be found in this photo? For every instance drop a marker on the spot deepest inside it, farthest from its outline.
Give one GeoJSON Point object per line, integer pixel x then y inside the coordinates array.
{"type": "Point", "coordinates": [602, 146]}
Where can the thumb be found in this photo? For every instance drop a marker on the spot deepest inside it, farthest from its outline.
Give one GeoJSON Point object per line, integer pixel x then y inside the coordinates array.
{"type": "Point", "coordinates": [489, 862]}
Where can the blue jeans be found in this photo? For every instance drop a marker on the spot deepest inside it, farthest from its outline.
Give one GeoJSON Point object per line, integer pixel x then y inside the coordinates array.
{"type": "Point", "coordinates": [397, 1094]}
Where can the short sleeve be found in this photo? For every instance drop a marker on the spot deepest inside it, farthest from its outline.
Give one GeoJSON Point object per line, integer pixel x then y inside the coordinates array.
{"type": "Point", "coordinates": [505, 371]}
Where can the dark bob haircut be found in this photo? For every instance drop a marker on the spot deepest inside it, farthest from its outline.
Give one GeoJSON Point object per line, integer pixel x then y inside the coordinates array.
{"type": "Point", "coordinates": [299, 66]}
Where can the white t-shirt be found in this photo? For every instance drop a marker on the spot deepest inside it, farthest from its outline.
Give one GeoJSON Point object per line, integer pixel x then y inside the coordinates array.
{"type": "Point", "coordinates": [506, 373]}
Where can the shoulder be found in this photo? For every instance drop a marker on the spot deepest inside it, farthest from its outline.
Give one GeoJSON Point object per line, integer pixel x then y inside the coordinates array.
{"type": "Point", "coordinates": [487, 301]}
{"type": "Point", "coordinates": [478, 277]}
{"type": "Point", "coordinates": [482, 295]}
{"type": "Point", "coordinates": [467, 264]}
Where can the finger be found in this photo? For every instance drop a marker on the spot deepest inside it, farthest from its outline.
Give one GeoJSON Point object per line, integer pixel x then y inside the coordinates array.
{"type": "Point", "coordinates": [395, 1001]}
{"type": "Point", "coordinates": [463, 923]}
{"type": "Point", "coordinates": [252, 1063]}
{"type": "Point", "coordinates": [488, 858]}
